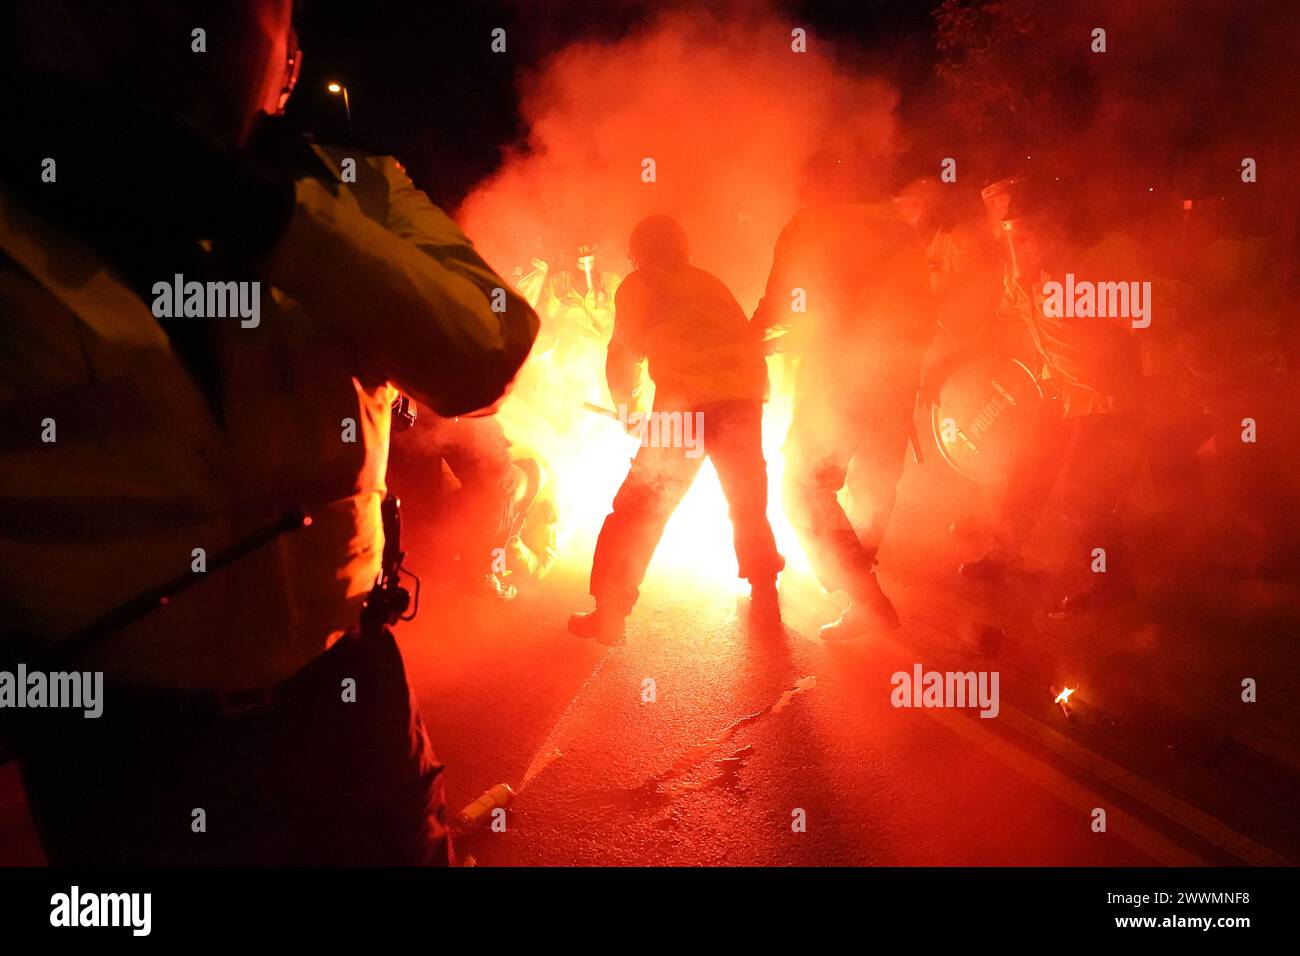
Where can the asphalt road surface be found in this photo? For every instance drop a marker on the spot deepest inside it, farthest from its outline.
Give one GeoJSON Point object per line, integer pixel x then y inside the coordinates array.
{"type": "Point", "coordinates": [705, 740]}
{"type": "Point", "coordinates": [751, 730]}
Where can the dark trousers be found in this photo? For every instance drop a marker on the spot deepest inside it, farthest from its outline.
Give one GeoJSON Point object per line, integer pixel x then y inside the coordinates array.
{"type": "Point", "coordinates": [656, 483]}
{"type": "Point", "coordinates": [1092, 458]}
{"type": "Point", "coordinates": [304, 779]}
{"type": "Point", "coordinates": [828, 430]}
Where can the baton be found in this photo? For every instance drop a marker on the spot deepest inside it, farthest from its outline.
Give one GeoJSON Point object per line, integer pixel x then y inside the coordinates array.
{"type": "Point", "coordinates": [602, 410]}
{"type": "Point", "coordinates": [143, 604]}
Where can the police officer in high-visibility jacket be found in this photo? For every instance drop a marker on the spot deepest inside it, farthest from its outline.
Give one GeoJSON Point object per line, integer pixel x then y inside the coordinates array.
{"type": "Point", "coordinates": [245, 720]}
{"type": "Point", "coordinates": [1084, 436]}
{"type": "Point", "coordinates": [850, 280]}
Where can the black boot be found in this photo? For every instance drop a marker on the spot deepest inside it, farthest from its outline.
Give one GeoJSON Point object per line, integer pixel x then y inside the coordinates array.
{"type": "Point", "coordinates": [870, 609]}
{"type": "Point", "coordinates": [764, 602]}
{"type": "Point", "coordinates": [602, 625]}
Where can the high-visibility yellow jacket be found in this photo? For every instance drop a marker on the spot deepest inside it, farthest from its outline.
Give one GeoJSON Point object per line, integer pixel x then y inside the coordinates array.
{"type": "Point", "coordinates": [687, 326]}
{"type": "Point", "coordinates": [370, 287]}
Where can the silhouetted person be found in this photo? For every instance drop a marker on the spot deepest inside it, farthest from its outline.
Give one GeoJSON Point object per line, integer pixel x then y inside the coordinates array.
{"type": "Point", "coordinates": [496, 510]}
{"type": "Point", "coordinates": [850, 281]}
{"type": "Point", "coordinates": [710, 383]}
{"type": "Point", "coordinates": [1089, 368]}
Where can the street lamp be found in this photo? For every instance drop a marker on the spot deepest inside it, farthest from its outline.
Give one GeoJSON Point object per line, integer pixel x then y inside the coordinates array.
{"type": "Point", "coordinates": [336, 88]}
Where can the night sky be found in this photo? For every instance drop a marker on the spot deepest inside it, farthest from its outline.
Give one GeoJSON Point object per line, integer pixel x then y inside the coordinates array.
{"type": "Point", "coordinates": [425, 86]}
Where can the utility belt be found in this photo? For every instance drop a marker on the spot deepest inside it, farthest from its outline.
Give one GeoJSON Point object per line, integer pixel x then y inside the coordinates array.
{"type": "Point", "coordinates": [387, 604]}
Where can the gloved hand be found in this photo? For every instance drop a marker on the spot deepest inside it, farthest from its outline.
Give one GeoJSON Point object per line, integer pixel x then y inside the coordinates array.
{"type": "Point", "coordinates": [933, 377]}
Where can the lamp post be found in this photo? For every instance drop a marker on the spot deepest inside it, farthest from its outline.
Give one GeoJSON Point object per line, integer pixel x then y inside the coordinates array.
{"type": "Point", "coordinates": [336, 88]}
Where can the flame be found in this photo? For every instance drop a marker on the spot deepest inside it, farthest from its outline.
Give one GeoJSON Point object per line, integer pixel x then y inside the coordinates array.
{"type": "Point", "coordinates": [1064, 696]}
{"type": "Point", "coordinates": [590, 458]}
{"type": "Point", "coordinates": [698, 538]}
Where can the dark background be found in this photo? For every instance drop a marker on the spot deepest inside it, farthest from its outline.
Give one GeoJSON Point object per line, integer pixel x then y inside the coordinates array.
{"type": "Point", "coordinates": [425, 86]}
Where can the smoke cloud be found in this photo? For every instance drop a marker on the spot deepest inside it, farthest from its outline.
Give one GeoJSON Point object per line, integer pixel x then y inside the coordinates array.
{"type": "Point", "coordinates": [727, 111]}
